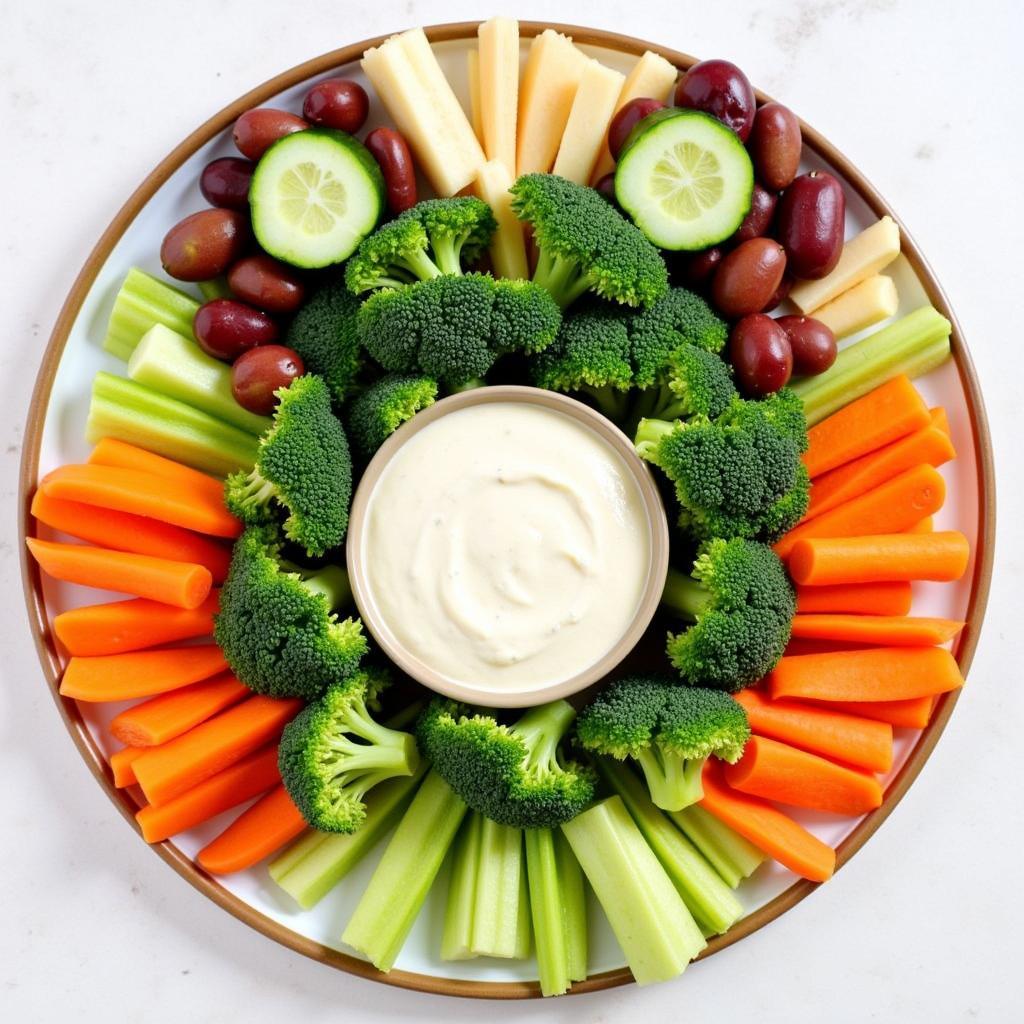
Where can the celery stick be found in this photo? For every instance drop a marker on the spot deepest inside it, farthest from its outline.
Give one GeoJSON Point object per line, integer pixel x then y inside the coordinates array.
{"type": "Point", "coordinates": [708, 898]}
{"type": "Point", "coordinates": [312, 866]}
{"type": "Point", "coordinates": [177, 367]}
{"type": "Point", "coordinates": [731, 855]}
{"type": "Point", "coordinates": [215, 288]}
{"type": "Point", "coordinates": [574, 900]}
{"type": "Point", "coordinates": [457, 937]}
{"type": "Point", "coordinates": [648, 916]}
{"type": "Point", "coordinates": [131, 412]}
{"type": "Point", "coordinates": [389, 906]}
{"type": "Point", "coordinates": [912, 345]}
{"type": "Point", "coordinates": [143, 301]}
{"type": "Point", "coordinates": [524, 931]}
{"type": "Point", "coordinates": [496, 930]}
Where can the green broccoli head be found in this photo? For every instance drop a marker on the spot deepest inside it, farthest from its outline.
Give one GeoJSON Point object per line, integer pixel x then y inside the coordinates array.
{"type": "Point", "coordinates": [278, 625]}
{"type": "Point", "coordinates": [302, 465]}
{"type": "Point", "coordinates": [384, 406]}
{"type": "Point", "coordinates": [669, 730]}
{"type": "Point", "coordinates": [434, 237]}
{"type": "Point", "coordinates": [783, 411]}
{"type": "Point", "coordinates": [741, 604]}
{"type": "Point", "coordinates": [334, 752]}
{"type": "Point", "coordinates": [697, 383]}
{"type": "Point", "coordinates": [325, 334]}
{"type": "Point", "coordinates": [514, 775]}
{"type": "Point", "coordinates": [524, 318]}
{"type": "Point", "coordinates": [585, 244]}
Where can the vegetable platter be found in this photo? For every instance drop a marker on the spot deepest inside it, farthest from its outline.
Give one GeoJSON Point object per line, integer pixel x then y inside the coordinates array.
{"type": "Point", "coordinates": [835, 804]}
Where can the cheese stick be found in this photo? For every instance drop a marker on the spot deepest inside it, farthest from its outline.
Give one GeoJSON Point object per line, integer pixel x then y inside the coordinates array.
{"type": "Point", "coordinates": [508, 246]}
{"type": "Point", "coordinates": [587, 127]}
{"type": "Point", "coordinates": [861, 306]}
{"type": "Point", "coordinates": [498, 82]}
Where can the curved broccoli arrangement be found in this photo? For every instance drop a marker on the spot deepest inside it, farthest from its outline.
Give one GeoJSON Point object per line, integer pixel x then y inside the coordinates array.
{"type": "Point", "coordinates": [302, 465]}
{"type": "Point", "coordinates": [384, 406]}
{"type": "Point", "coordinates": [585, 245]}
{"type": "Point", "coordinates": [668, 729]}
{"type": "Point", "coordinates": [452, 328]}
{"type": "Point", "coordinates": [741, 605]}
{"type": "Point", "coordinates": [512, 774]}
{"type": "Point", "coordinates": [325, 334]}
{"type": "Point", "coordinates": [334, 752]}
{"type": "Point", "coordinates": [434, 237]}
{"type": "Point", "coordinates": [278, 625]}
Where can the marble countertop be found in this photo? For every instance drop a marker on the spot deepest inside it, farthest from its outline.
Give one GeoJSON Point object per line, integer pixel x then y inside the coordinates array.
{"type": "Point", "coordinates": [924, 924]}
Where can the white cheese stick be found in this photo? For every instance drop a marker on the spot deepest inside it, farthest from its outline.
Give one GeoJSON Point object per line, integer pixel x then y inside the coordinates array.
{"type": "Point", "coordinates": [508, 246]}
{"type": "Point", "coordinates": [473, 77]}
{"type": "Point", "coordinates": [587, 127]}
{"type": "Point", "coordinates": [863, 305]}
{"type": "Point", "coordinates": [498, 71]}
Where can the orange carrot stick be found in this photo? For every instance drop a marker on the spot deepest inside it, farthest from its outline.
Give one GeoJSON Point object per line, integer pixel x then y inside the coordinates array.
{"type": "Point", "coordinates": [930, 445]}
{"type": "Point", "coordinates": [123, 531]}
{"type": "Point", "coordinates": [876, 630]}
{"type": "Point", "coordinates": [908, 714]}
{"type": "Point", "coordinates": [122, 765]}
{"type": "Point", "coordinates": [120, 626]}
{"type": "Point", "coordinates": [166, 771]}
{"type": "Point", "coordinates": [109, 452]}
{"type": "Point", "coordinates": [776, 771]}
{"type": "Point", "coordinates": [889, 412]}
{"type": "Point", "coordinates": [926, 525]}
{"type": "Point", "coordinates": [875, 673]}
{"type": "Point", "coordinates": [236, 784]}
{"type": "Point", "coordinates": [143, 494]}
{"type": "Point", "coordinates": [799, 646]}
{"type": "Point", "coordinates": [940, 419]}
{"type": "Point", "coordinates": [140, 673]}
{"type": "Point", "coordinates": [885, 558]}
{"type": "Point", "coordinates": [850, 739]}
{"type": "Point", "coordinates": [896, 505]}
{"type": "Point", "coordinates": [864, 598]}
{"type": "Point", "coordinates": [179, 583]}
{"type": "Point", "coordinates": [256, 833]}
{"type": "Point", "coordinates": [168, 715]}
{"type": "Point", "coordinates": [768, 828]}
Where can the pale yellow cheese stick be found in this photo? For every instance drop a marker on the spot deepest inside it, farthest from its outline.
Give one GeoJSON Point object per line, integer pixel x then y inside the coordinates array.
{"type": "Point", "coordinates": [498, 82]}
{"type": "Point", "coordinates": [508, 246]}
{"type": "Point", "coordinates": [473, 78]}
{"type": "Point", "coordinates": [863, 305]}
{"type": "Point", "coordinates": [587, 127]}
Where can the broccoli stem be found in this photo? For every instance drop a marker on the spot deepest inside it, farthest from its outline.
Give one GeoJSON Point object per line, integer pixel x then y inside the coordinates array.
{"type": "Point", "coordinates": [542, 729]}
{"type": "Point", "coordinates": [420, 265]}
{"type": "Point", "coordinates": [471, 385]}
{"type": "Point", "coordinates": [562, 277]}
{"type": "Point", "coordinates": [673, 781]}
{"type": "Point", "coordinates": [731, 855]}
{"type": "Point", "coordinates": [331, 582]}
{"type": "Point", "coordinates": [612, 402]}
{"type": "Point", "coordinates": [448, 251]}
{"type": "Point", "coordinates": [385, 752]}
{"type": "Point", "coordinates": [649, 434]}
{"type": "Point", "coordinates": [684, 595]}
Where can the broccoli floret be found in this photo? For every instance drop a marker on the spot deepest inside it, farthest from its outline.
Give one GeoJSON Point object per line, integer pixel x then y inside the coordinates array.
{"type": "Point", "coordinates": [278, 624]}
{"type": "Point", "coordinates": [783, 410]}
{"type": "Point", "coordinates": [514, 775]}
{"type": "Point", "coordinates": [334, 752]}
{"type": "Point", "coordinates": [741, 604]}
{"type": "Point", "coordinates": [437, 236]}
{"type": "Point", "coordinates": [452, 328]}
{"type": "Point", "coordinates": [384, 406]}
{"type": "Point", "coordinates": [302, 465]}
{"type": "Point", "coordinates": [696, 383]}
{"type": "Point", "coordinates": [668, 729]}
{"type": "Point", "coordinates": [585, 244]}
{"type": "Point", "coordinates": [325, 334]}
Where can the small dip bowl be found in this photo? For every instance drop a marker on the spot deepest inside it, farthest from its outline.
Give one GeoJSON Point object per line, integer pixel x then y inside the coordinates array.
{"type": "Point", "coordinates": [650, 594]}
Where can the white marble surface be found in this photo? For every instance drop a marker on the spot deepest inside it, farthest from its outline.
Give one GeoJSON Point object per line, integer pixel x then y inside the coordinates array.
{"type": "Point", "coordinates": [924, 924]}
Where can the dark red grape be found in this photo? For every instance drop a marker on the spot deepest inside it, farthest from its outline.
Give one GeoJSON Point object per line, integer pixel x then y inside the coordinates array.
{"type": "Point", "coordinates": [337, 103]}
{"type": "Point", "coordinates": [759, 221]}
{"type": "Point", "coordinates": [775, 145]}
{"type": "Point", "coordinates": [627, 119]}
{"type": "Point", "coordinates": [258, 373]}
{"type": "Point", "coordinates": [256, 130]}
{"type": "Point", "coordinates": [760, 353]}
{"type": "Point", "coordinates": [606, 186]}
{"type": "Point", "coordinates": [720, 89]}
{"type": "Point", "coordinates": [226, 328]}
{"type": "Point", "coordinates": [696, 269]}
{"type": "Point", "coordinates": [747, 277]}
{"type": "Point", "coordinates": [267, 283]}
{"type": "Point", "coordinates": [810, 223]}
{"type": "Point", "coordinates": [225, 182]}
{"type": "Point", "coordinates": [391, 152]}
{"type": "Point", "coordinates": [204, 245]}
{"type": "Point", "coordinates": [812, 342]}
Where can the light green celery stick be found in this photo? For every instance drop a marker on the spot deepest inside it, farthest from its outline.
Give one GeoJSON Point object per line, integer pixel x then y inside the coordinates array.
{"type": "Point", "coordinates": [731, 855]}
{"type": "Point", "coordinates": [131, 412]}
{"type": "Point", "coordinates": [389, 906]}
{"type": "Point", "coordinates": [574, 900]}
{"type": "Point", "coordinates": [313, 865]}
{"type": "Point", "coordinates": [177, 367]}
{"type": "Point", "coordinates": [549, 907]}
{"type": "Point", "coordinates": [457, 937]}
{"type": "Point", "coordinates": [524, 930]}
{"type": "Point", "coordinates": [708, 898]}
{"type": "Point", "coordinates": [143, 301]}
{"type": "Point", "coordinates": [648, 916]}
{"type": "Point", "coordinates": [215, 288]}
{"type": "Point", "coordinates": [913, 345]}
{"type": "Point", "coordinates": [499, 869]}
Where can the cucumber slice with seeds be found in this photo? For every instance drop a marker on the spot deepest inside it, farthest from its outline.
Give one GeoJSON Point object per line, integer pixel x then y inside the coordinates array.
{"type": "Point", "coordinates": [685, 179]}
{"type": "Point", "coordinates": [315, 195]}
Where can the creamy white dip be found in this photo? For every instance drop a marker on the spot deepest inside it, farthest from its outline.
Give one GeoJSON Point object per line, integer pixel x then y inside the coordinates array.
{"type": "Point", "coordinates": [506, 546]}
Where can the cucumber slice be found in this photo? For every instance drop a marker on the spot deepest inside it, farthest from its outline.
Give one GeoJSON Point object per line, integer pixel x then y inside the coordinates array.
{"type": "Point", "coordinates": [315, 195]}
{"type": "Point", "coordinates": [685, 179]}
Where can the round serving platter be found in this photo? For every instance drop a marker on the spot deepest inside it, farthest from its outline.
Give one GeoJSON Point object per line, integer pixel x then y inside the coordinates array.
{"type": "Point", "coordinates": [54, 434]}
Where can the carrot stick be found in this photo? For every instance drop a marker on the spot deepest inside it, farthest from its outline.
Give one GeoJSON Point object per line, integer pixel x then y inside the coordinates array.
{"type": "Point", "coordinates": [866, 598]}
{"type": "Point", "coordinates": [168, 715]}
{"type": "Point", "coordinates": [143, 494]}
{"type": "Point", "coordinates": [122, 765]}
{"type": "Point", "coordinates": [236, 784]}
{"type": "Point", "coordinates": [876, 630]}
{"type": "Point", "coordinates": [776, 771]}
{"type": "Point", "coordinates": [896, 505]}
{"type": "Point", "coordinates": [256, 833]}
{"type": "Point", "coordinates": [930, 445]}
{"type": "Point", "coordinates": [109, 452]}
{"type": "Point", "coordinates": [179, 583]}
{"type": "Point", "coordinates": [120, 626]}
{"type": "Point", "coordinates": [940, 419]}
{"type": "Point", "coordinates": [799, 646]}
{"type": "Point", "coordinates": [926, 525]}
{"type": "Point", "coordinates": [169, 770]}
{"type": "Point", "coordinates": [881, 416]}
{"type": "Point", "coordinates": [876, 673]}
{"type": "Point", "coordinates": [123, 531]}
{"type": "Point", "coordinates": [768, 828]}
{"type": "Point", "coordinates": [909, 714]}
{"type": "Point", "coordinates": [140, 673]}
{"type": "Point", "coordinates": [859, 742]}
{"type": "Point", "coordinates": [885, 558]}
